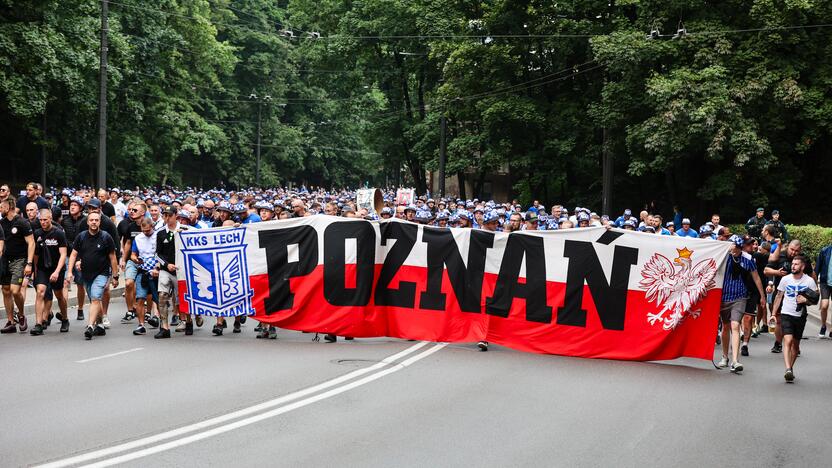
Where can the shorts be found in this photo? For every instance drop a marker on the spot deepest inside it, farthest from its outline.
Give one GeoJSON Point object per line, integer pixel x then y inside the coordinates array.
{"type": "Point", "coordinates": [76, 274]}
{"type": "Point", "coordinates": [42, 277]}
{"type": "Point", "coordinates": [167, 283]}
{"type": "Point", "coordinates": [12, 271]}
{"type": "Point", "coordinates": [792, 325]}
{"type": "Point", "coordinates": [146, 284]}
{"type": "Point", "coordinates": [95, 288]}
{"type": "Point", "coordinates": [751, 304]}
{"type": "Point", "coordinates": [825, 289]}
{"type": "Point", "coordinates": [131, 270]}
{"type": "Point", "coordinates": [732, 311]}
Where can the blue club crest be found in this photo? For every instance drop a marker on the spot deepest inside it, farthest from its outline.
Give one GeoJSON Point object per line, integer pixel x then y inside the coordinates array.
{"type": "Point", "coordinates": [216, 272]}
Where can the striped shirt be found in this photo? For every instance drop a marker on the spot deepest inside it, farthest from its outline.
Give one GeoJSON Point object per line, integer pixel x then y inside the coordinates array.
{"type": "Point", "coordinates": [733, 288]}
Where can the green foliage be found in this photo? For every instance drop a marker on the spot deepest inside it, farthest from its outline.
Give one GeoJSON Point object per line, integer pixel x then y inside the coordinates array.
{"type": "Point", "coordinates": [813, 238]}
{"type": "Point", "coordinates": [722, 120]}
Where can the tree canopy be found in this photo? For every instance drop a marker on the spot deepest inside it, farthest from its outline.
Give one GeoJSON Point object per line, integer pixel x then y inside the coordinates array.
{"type": "Point", "coordinates": [733, 112]}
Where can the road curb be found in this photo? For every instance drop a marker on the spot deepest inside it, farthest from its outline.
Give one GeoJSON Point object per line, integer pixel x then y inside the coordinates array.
{"type": "Point", "coordinates": [29, 309]}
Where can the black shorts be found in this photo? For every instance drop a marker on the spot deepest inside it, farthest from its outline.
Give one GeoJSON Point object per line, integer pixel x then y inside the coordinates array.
{"type": "Point", "coordinates": [752, 304]}
{"type": "Point", "coordinates": [825, 289]}
{"type": "Point", "coordinates": [792, 325]}
{"type": "Point", "coordinates": [42, 277]}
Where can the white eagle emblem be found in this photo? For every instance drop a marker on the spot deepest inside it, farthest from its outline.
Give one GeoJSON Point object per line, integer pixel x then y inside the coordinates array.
{"type": "Point", "coordinates": [676, 286]}
{"type": "Point", "coordinates": [204, 280]}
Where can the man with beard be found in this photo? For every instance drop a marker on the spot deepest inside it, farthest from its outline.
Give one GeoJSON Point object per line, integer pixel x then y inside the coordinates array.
{"type": "Point", "coordinates": [780, 269]}
{"type": "Point", "coordinates": [96, 251]}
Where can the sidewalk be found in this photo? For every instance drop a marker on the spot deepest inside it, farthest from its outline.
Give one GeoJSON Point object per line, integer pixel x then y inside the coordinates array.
{"type": "Point", "coordinates": [72, 300]}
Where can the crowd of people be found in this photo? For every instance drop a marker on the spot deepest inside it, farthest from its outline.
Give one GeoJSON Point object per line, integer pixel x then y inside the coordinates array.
{"type": "Point", "coordinates": [52, 241]}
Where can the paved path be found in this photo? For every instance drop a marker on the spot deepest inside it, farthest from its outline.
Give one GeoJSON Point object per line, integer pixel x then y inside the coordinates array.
{"type": "Point", "coordinates": [238, 401]}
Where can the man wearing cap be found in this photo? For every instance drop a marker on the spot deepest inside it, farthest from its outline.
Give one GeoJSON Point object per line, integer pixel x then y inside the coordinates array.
{"type": "Point", "coordinates": [490, 221]}
{"type": "Point", "coordinates": [165, 273]}
{"type": "Point", "coordinates": [619, 222]}
{"type": "Point", "coordinates": [779, 227]}
{"type": "Point", "coordinates": [754, 225]}
{"type": "Point", "coordinates": [629, 225]}
{"type": "Point", "coordinates": [119, 207]}
{"type": "Point", "coordinates": [739, 269]}
{"type": "Point", "coordinates": [530, 221]}
{"type": "Point", "coordinates": [128, 230]}
{"type": "Point", "coordinates": [685, 230]}
{"type": "Point", "coordinates": [706, 232]}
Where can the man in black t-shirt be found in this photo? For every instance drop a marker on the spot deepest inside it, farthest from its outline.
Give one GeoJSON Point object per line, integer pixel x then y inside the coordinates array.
{"type": "Point", "coordinates": [31, 196]}
{"type": "Point", "coordinates": [107, 208]}
{"type": "Point", "coordinates": [50, 263]}
{"type": "Point", "coordinates": [777, 270]}
{"type": "Point", "coordinates": [17, 264]}
{"type": "Point", "coordinates": [129, 229]}
{"type": "Point", "coordinates": [96, 251]}
{"type": "Point", "coordinates": [107, 225]}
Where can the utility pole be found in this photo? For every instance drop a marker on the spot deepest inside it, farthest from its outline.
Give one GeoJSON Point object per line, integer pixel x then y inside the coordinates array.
{"type": "Point", "coordinates": [266, 98]}
{"type": "Point", "coordinates": [259, 114]}
{"type": "Point", "coordinates": [102, 99]}
{"type": "Point", "coordinates": [43, 153]}
{"type": "Point", "coordinates": [606, 174]}
{"type": "Point", "coordinates": [442, 154]}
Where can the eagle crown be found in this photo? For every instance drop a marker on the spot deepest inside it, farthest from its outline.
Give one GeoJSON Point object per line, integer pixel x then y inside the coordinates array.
{"type": "Point", "coordinates": [684, 254]}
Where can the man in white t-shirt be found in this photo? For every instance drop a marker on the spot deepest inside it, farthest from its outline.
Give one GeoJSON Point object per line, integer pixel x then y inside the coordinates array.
{"type": "Point", "coordinates": [794, 293]}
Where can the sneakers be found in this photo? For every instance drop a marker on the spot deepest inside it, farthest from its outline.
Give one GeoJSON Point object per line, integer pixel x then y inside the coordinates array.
{"type": "Point", "coordinates": [329, 338]}
{"type": "Point", "coordinates": [88, 333]}
{"type": "Point", "coordinates": [181, 326]}
{"type": "Point", "coordinates": [21, 323]}
{"type": "Point", "coordinates": [37, 330]}
{"type": "Point", "coordinates": [263, 333]}
{"type": "Point", "coordinates": [822, 334]}
{"type": "Point", "coordinates": [217, 330]}
{"type": "Point", "coordinates": [744, 350]}
{"type": "Point", "coordinates": [736, 367]}
{"type": "Point", "coordinates": [718, 340]}
{"type": "Point", "coordinates": [483, 346]}
{"type": "Point", "coordinates": [99, 330]}
{"type": "Point", "coordinates": [777, 348]}
{"type": "Point", "coordinates": [272, 333]}
{"type": "Point", "coordinates": [258, 328]}
{"type": "Point", "coordinates": [80, 314]}
{"type": "Point", "coordinates": [174, 321]}
{"type": "Point", "coordinates": [106, 322]}
{"type": "Point", "coordinates": [59, 316]}
{"type": "Point", "coordinates": [764, 328]}
{"type": "Point", "coordinates": [189, 328]}
{"type": "Point", "coordinates": [129, 316]}
{"type": "Point", "coordinates": [198, 321]}
{"type": "Point", "coordinates": [162, 333]}
{"type": "Point", "coordinates": [789, 376]}
{"type": "Point", "coordinates": [64, 326]}
{"type": "Point", "coordinates": [140, 330]}
{"type": "Point", "coordinates": [723, 363]}
{"type": "Point", "coordinates": [237, 325]}
{"type": "Point", "coordinates": [153, 322]}
{"type": "Point", "coordinates": [49, 319]}
{"type": "Point", "coordinates": [9, 328]}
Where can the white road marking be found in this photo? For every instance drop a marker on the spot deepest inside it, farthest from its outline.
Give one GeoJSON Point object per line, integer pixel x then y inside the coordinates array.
{"type": "Point", "coordinates": [174, 433]}
{"type": "Point", "coordinates": [109, 355]}
{"type": "Point", "coordinates": [269, 414]}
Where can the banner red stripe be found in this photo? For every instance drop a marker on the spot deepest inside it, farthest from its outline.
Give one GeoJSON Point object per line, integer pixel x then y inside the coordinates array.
{"type": "Point", "coordinates": [637, 341]}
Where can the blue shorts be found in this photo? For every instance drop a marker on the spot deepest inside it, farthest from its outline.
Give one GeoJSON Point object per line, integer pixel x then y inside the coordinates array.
{"type": "Point", "coordinates": [95, 288]}
{"type": "Point", "coordinates": [131, 270]}
{"type": "Point", "coordinates": [146, 284]}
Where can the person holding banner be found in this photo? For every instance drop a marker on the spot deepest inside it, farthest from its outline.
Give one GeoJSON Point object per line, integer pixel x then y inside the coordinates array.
{"type": "Point", "coordinates": [734, 297]}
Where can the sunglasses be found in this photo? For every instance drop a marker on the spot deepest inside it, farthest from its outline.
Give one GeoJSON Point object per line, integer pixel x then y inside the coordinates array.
{"type": "Point", "coordinates": [134, 210]}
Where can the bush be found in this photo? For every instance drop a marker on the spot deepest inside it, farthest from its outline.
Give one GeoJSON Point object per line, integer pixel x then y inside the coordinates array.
{"type": "Point", "coordinates": [812, 237]}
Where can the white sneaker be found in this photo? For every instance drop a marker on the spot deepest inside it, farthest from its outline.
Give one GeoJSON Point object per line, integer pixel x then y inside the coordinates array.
{"type": "Point", "coordinates": [736, 367]}
{"type": "Point", "coordinates": [723, 363]}
{"type": "Point", "coordinates": [105, 321]}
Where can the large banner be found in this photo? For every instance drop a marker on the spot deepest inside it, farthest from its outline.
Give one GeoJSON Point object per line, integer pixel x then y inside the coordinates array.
{"type": "Point", "coordinates": [587, 292]}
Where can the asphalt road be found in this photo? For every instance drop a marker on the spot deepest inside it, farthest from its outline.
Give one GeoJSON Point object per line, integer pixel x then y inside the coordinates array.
{"type": "Point", "coordinates": [238, 401]}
